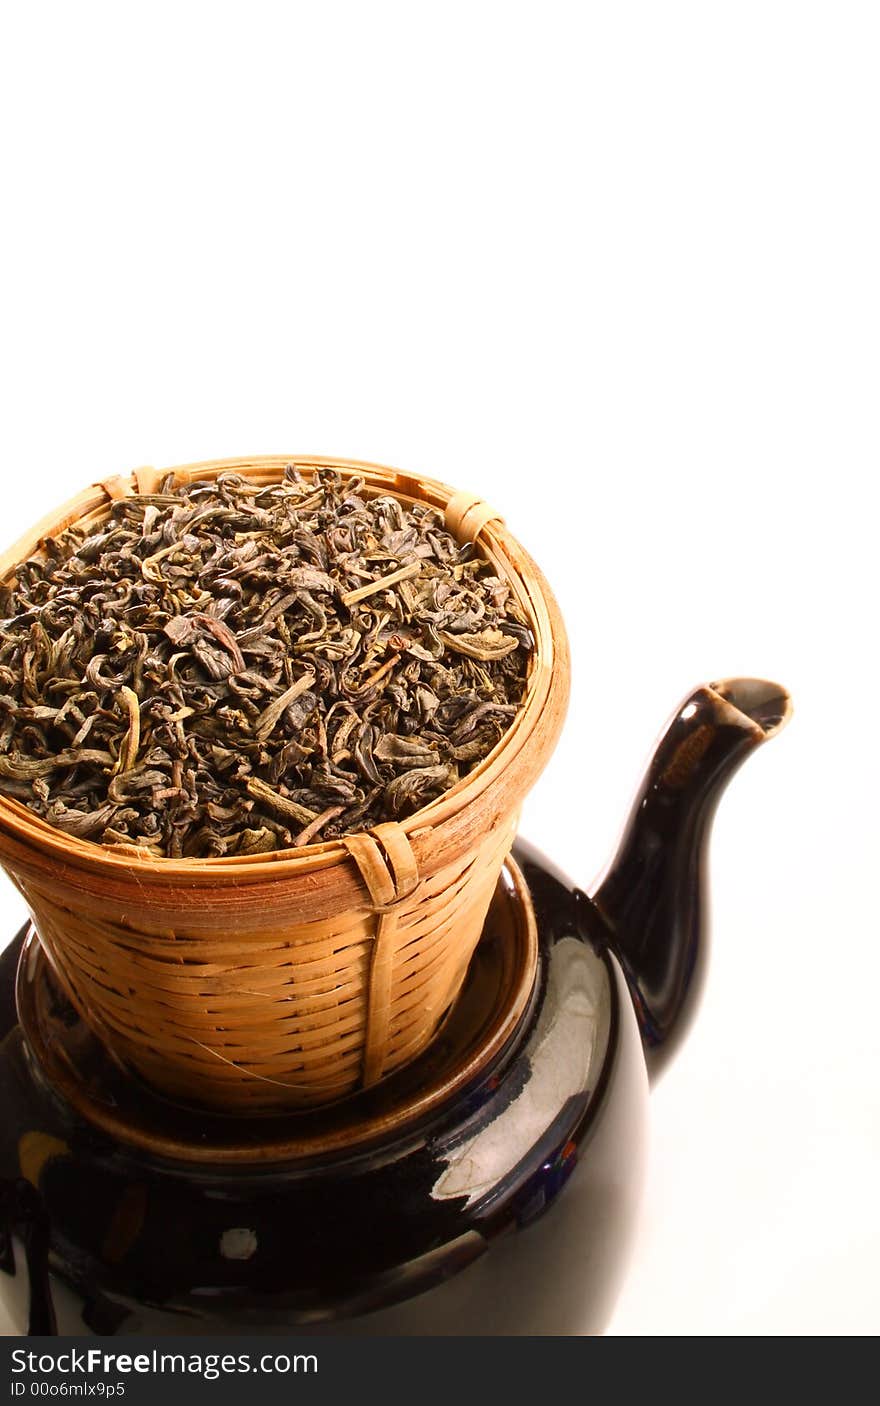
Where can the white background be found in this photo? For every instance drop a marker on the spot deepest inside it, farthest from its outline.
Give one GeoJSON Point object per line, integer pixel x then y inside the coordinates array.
{"type": "Point", "coordinates": [614, 267]}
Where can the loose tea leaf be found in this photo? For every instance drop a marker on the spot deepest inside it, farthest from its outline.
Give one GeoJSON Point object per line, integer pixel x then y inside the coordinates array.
{"type": "Point", "coordinates": [225, 669]}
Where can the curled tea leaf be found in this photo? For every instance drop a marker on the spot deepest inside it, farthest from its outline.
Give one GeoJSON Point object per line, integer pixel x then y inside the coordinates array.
{"type": "Point", "coordinates": [26, 768]}
{"type": "Point", "coordinates": [272, 714]}
{"type": "Point", "coordinates": [407, 792]}
{"type": "Point", "coordinates": [129, 747]}
{"type": "Point", "coordinates": [406, 751]}
{"type": "Point", "coordinates": [487, 644]}
{"type": "Point", "coordinates": [281, 805]}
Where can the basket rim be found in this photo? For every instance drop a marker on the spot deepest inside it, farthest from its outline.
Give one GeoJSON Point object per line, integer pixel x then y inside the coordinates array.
{"type": "Point", "coordinates": [498, 543]}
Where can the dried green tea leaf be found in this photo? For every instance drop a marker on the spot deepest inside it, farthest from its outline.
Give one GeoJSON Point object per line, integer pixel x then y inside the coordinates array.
{"type": "Point", "coordinates": [272, 714]}
{"type": "Point", "coordinates": [405, 751]}
{"type": "Point", "coordinates": [223, 668]}
{"type": "Point", "coordinates": [488, 644]}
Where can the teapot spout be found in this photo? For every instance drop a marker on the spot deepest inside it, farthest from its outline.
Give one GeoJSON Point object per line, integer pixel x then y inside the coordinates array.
{"type": "Point", "coordinates": [652, 897]}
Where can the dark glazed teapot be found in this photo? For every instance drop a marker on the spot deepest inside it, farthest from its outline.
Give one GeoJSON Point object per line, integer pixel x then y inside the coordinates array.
{"type": "Point", "coordinates": [488, 1188]}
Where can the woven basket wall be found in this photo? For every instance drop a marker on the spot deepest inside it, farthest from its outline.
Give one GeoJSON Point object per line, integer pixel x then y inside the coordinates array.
{"type": "Point", "coordinates": [289, 979]}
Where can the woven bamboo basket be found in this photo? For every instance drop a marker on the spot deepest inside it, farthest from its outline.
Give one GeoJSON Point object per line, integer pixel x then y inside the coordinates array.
{"type": "Point", "coordinates": [285, 980]}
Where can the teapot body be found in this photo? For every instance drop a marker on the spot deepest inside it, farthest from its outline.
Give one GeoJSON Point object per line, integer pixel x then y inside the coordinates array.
{"type": "Point", "coordinates": [509, 1211]}
{"type": "Point", "coordinates": [505, 1206]}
